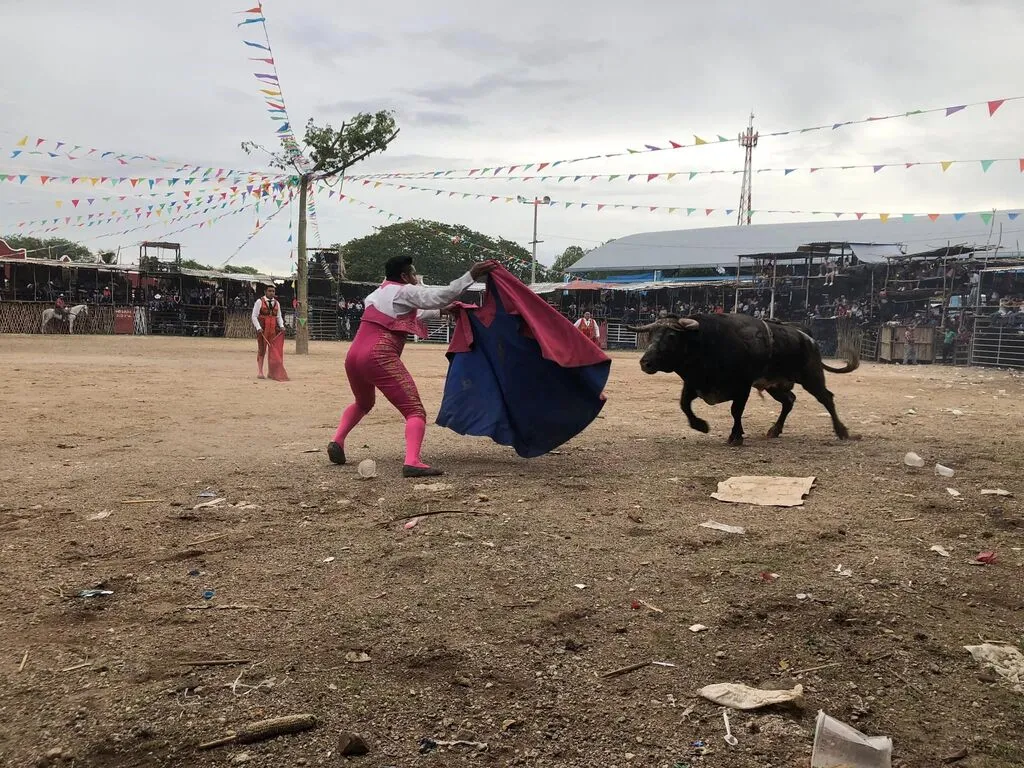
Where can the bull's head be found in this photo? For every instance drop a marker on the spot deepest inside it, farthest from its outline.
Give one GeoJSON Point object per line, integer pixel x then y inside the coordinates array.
{"type": "Point", "coordinates": [666, 349]}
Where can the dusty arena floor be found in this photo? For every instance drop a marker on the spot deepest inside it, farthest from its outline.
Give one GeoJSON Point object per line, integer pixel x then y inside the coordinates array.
{"type": "Point", "coordinates": [494, 621]}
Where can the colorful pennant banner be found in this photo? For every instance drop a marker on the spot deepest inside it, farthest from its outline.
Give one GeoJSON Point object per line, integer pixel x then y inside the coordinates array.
{"type": "Point", "coordinates": [143, 182]}
{"type": "Point", "coordinates": [270, 82]}
{"type": "Point", "coordinates": [992, 106]}
{"type": "Point", "coordinates": [648, 176]}
{"type": "Point", "coordinates": [691, 210]}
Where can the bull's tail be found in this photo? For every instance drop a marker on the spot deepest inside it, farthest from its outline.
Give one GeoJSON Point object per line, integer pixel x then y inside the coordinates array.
{"type": "Point", "coordinates": [852, 365]}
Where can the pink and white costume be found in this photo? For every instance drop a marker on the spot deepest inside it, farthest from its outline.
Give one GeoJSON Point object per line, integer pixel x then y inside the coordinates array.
{"type": "Point", "coordinates": [392, 312]}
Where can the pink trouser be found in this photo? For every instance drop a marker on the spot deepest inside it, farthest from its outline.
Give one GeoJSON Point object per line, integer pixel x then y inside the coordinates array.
{"type": "Point", "coordinates": [374, 362]}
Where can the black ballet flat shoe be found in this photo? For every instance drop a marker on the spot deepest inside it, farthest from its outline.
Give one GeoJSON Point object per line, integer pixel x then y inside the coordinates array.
{"type": "Point", "coordinates": [335, 453]}
{"type": "Point", "coordinates": [408, 471]}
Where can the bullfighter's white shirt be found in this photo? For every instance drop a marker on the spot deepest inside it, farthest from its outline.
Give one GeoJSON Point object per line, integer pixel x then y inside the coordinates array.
{"type": "Point", "coordinates": [395, 300]}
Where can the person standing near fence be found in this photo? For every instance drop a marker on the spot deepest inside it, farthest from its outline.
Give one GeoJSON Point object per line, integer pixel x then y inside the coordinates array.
{"type": "Point", "coordinates": [587, 325]}
{"type": "Point", "coordinates": [269, 324]}
{"type": "Point", "coordinates": [394, 311]}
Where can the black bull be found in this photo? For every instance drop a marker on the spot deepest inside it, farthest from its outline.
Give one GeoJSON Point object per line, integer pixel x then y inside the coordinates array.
{"type": "Point", "coordinates": [720, 357]}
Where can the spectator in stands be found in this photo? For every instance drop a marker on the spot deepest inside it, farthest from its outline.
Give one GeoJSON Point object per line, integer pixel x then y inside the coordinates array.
{"type": "Point", "coordinates": [909, 347]}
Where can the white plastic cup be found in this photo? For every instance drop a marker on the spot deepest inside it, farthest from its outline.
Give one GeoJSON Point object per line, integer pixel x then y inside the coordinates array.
{"type": "Point", "coordinates": [837, 745]}
{"type": "Point", "coordinates": [913, 460]}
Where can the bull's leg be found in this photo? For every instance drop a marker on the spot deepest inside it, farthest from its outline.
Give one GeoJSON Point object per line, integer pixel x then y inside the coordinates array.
{"type": "Point", "coordinates": [785, 396]}
{"type": "Point", "coordinates": [816, 386]}
{"type": "Point", "coordinates": [738, 404]}
{"type": "Point", "coordinates": [686, 403]}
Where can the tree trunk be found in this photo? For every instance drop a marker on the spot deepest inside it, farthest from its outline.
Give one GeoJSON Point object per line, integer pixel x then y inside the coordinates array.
{"type": "Point", "coordinates": [302, 277]}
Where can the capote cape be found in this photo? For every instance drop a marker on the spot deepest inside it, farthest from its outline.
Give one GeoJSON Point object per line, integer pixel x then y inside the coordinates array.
{"type": "Point", "coordinates": [519, 372]}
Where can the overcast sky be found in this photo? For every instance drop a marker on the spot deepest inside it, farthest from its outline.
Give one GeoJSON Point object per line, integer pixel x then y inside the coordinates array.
{"type": "Point", "coordinates": [484, 84]}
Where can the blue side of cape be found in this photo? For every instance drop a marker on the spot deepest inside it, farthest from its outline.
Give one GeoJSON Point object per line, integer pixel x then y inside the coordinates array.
{"type": "Point", "coordinates": [504, 389]}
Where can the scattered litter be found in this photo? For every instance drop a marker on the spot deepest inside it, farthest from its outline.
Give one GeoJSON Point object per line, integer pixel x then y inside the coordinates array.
{"type": "Point", "coordinates": [698, 628]}
{"type": "Point", "coordinates": [580, 586]}
{"type": "Point", "coordinates": [837, 744]}
{"type": "Point", "coordinates": [207, 495]}
{"type": "Point", "coordinates": [938, 548]}
{"type": "Point", "coordinates": [953, 492]}
{"type": "Point", "coordinates": [95, 593]}
{"type": "Point", "coordinates": [265, 729]}
{"type": "Point", "coordinates": [367, 468]}
{"type": "Point", "coordinates": [715, 526]}
{"type": "Point", "coordinates": [911, 412]}
{"type": "Point", "coordinates": [843, 571]}
{"type": "Point", "coordinates": [357, 657]}
{"type": "Point", "coordinates": [765, 491]}
{"type": "Point", "coordinates": [637, 604]}
{"type": "Point", "coordinates": [944, 471]}
{"type": "Point", "coordinates": [211, 503]}
{"type": "Point", "coordinates": [208, 594]}
{"type": "Point", "coordinates": [736, 696]}
{"type": "Point", "coordinates": [634, 667]}
{"type": "Point", "coordinates": [429, 745]}
{"type": "Point", "coordinates": [329, 559]}
{"type": "Point", "coordinates": [101, 515]}
{"type": "Point", "coordinates": [802, 596]}
{"type": "Point", "coordinates": [411, 523]}
{"type": "Point", "coordinates": [995, 492]}
{"type": "Point", "coordinates": [731, 740]}
{"type": "Point", "coordinates": [986, 558]}
{"type": "Point", "coordinates": [913, 460]}
{"type": "Point", "coordinates": [768, 576]}
{"type": "Point", "coordinates": [432, 487]}
{"type": "Point", "coordinates": [956, 411]}
{"type": "Point", "coordinates": [1006, 660]}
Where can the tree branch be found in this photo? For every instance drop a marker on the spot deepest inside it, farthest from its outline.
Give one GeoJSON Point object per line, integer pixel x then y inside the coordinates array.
{"type": "Point", "coordinates": [345, 166]}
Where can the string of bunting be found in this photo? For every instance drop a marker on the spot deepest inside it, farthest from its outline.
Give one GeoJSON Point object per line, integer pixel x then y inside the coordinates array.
{"type": "Point", "coordinates": [259, 228]}
{"type": "Point", "coordinates": [139, 212]}
{"type": "Point", "coordinates": [690, 210]}
{"type": "Point", "coordinates": [689, 175]}
{"type": "Point", "coordinates": [457, 240]}
{"type": "Point", "coordinates": [992, 106]}
{"type": "Point", "coordinates": [54, 148]}
{"type": "Point", "coordinates": [273, 95]}
{"type": "Point", "coordinates": [152, 182]}
{"type": "Point", "coordinates": [161, 222]}
{"type": "Point", "coordinates": [180, 195]}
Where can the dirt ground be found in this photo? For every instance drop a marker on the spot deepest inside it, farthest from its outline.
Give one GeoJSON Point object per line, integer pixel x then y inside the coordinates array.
{"type": "Point", "coordinates": [495, 621]}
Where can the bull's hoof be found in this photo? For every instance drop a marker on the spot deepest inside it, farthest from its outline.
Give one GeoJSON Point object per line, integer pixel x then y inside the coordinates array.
{"type": "Point", "coordinates": [774, 432]}
{"type": "Point", "coordinates": [700, 425]}
{"type": "Point", "coordinates": [735, 440]}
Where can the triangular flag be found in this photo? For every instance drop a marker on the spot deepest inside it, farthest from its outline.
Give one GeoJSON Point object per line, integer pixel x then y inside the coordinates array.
{"type": "Point", "coordinates": [994, 105]}
{"type": "Point", "coordinates": [946, 164]}
{"type": "Point", "coordinates": [1021, 165]}
{"type": "Point", "coordinates": [697, 140]}
{"type": "Point", "coordinates": [815, 169]}
{"type": "Point", "coordinates": [959, 216]}
{"type": "Point", "coordinates": [694, 173]}
{"type": "Point", "coordinates": [883, 216]}
{"type": "Point", "coordinates": [986, 164]}
{"type": "Point", "coordinates": [954, 110]}
{"type": "Point", "coordinates": [878, 168]}
{"type": "Point", "coordinates": [600, 206]}
{"type": "Point", "coordinates": [669, 177]}
{"type": "Point", "coordinates": [788, 171]}
{"type": "Point", "coordinates": [908, 216]}
{"type": "Point", "coordinates": [690, 211]}
{"type": "Point", "coordinates": [986, 217]}
{"type": "Point", "coordinates": [933, 216]}
{"type": "Point", "coordinates": [652, 176]}
{"type": "Point", "coordinates": [1012, 216]}
{"type": "Point", "coordinates": [707, 211]}
{"type": "Point", "coordinates": [23, 142]}
{"type": "Point", "coordinates": [675, 145]}
{"type": "Point", "coordinates": [542, 166]}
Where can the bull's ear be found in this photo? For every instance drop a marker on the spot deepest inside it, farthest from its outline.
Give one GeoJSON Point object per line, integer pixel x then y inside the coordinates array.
{"type": "Point", "coordinates": [688, 324]}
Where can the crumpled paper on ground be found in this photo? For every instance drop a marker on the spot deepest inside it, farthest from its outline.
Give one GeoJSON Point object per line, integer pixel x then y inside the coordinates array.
{"type": "Point", "coordinates": [739, 696]}
{"type": "Point", "coordinates": [1006, 660]}
{"type": "Point", "coordinates": [765, 490]}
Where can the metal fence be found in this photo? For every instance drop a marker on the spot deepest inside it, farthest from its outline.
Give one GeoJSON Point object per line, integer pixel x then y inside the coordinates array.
{"type": "Point", "coordinates": [997, 342]}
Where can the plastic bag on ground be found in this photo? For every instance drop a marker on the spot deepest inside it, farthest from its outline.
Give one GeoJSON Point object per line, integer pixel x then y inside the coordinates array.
{"type": "Point", "coordinates": [738, 696]}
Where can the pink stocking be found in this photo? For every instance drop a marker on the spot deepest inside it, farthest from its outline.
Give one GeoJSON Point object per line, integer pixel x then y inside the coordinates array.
{"type": "Point", "coordinates": [352, 416]}
{"type": "Point", "coordinates": [415, 429]}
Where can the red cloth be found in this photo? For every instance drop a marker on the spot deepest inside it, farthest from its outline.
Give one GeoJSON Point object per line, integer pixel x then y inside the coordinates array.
{"type": "Point", "coordinates": [560, 341]}
{"type": "Point", "coordinates": [270, 342]}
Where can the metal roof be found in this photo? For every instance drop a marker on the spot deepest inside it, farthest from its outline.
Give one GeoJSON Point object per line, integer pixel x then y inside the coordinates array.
{"type": "Point", "coordinates": [719, 246]}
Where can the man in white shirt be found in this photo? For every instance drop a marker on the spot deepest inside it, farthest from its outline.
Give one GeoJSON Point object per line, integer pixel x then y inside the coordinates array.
{"type": "Point", "coordinates": [395, 310]}
{"type": "Point", "coordinates": [588, 327]}
{"type": "Point", "coordinates": [269, 325]}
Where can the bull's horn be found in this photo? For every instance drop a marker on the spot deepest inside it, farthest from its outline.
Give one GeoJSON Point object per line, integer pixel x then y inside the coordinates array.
{"type": "Point", "coordinates": [688, 324]}
{"type": "Point", "coordinates": [642, 328]}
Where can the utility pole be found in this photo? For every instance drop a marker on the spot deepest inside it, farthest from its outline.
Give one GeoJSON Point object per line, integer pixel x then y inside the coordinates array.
{"type": "Point", "coordinates": [535, 203]}
{"type": "Point", "coordinates": [302, 276]}
{"type": "Point", "coordinates": [747, 140]}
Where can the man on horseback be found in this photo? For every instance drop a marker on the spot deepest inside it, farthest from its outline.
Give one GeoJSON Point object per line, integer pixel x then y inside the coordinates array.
{"type": "Point", "coordinates": [60, 309]}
